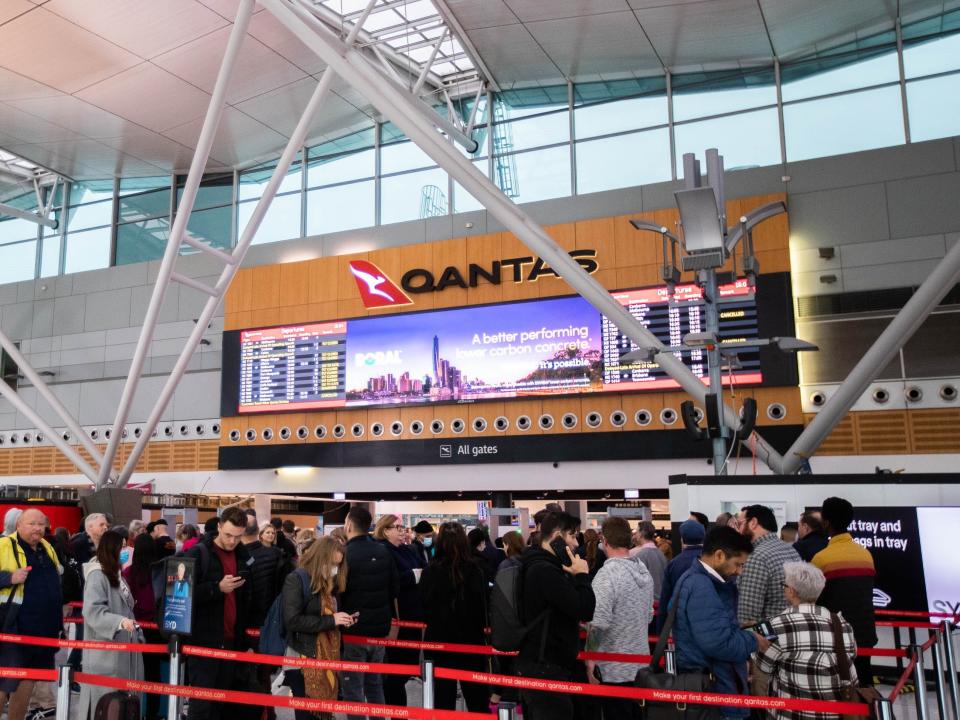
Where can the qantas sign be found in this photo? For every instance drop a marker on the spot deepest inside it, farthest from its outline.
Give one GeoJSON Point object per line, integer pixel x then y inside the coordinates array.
{"type": "Point", "coordinates": [377, 290]}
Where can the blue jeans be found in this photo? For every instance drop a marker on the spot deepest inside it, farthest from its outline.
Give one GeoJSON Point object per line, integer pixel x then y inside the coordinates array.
{"type": "Point", "coordinates": [362, 687]}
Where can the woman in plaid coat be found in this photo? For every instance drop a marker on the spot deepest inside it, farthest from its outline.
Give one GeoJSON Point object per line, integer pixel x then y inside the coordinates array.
{"type": "Point", "coordinates": [802, 660]}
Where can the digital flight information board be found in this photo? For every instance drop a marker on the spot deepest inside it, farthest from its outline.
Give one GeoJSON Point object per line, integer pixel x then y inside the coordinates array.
{"type": "Point", "coordinates": [551, 346]}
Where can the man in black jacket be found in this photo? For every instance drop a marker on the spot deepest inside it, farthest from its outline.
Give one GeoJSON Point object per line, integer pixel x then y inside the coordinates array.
{"type": "Point", "coordinates": [556, 586]}
{"type": "Point", "coordinates": [372, 582]}
{"type": "Point", "coordinates": [221, 606]}
{"type": "Point", "coordinates": [811, 538]}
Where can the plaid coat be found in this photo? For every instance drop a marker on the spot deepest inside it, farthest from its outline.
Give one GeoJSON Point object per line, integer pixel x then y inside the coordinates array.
{"type": "Point", "coordinates": [802, 662]}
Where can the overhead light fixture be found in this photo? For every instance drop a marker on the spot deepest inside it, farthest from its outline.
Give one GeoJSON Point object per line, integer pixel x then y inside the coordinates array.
{"type": "Point", "coordinates": [294, 472]}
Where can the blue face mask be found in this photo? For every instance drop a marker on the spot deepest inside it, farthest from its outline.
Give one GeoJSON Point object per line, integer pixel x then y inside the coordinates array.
{"type": "Point", "coordinates": [124, 556]}
{"type": "Point", "coordinates": [427, 541]}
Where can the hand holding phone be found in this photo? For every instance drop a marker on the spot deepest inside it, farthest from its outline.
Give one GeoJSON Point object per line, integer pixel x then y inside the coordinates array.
{"type": "Point", "coordinates": [560, 549]}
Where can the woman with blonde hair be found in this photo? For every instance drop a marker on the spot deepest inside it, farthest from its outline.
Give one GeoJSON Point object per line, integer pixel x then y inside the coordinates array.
{"type": "Point", "coordinates": [312, 621]}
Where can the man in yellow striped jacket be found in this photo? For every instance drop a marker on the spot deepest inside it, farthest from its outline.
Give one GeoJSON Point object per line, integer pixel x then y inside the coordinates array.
{"type": "Point", "coordinates": [31, 603]}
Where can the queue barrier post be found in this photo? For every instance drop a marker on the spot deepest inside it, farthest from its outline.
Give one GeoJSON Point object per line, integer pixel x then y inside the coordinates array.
{"type": "Point", "coordinates": [428, 700]}
{"type": "Point", "coordinates": [883, 709]}
{"type": "Point", "coordinates": [176, 677]}
{"type": "Point", "coordinates": [920, 682]}
{"type": "Point", "coordinates": [951, 665]}
{"type": "Point", "coordinates": [671, 660]}
{"type": "Point", "coordinates": [64, 681]}
{"type": "Point", "coordinates": [506, 711]}
{"type": "Point", "coordinates": [938, 666]}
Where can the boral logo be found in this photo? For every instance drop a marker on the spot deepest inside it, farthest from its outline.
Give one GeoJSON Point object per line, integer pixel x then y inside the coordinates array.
{"type": "Point", "coordinates": [378, 358]}
{"type": "Point", "coordinates": [376, 289]}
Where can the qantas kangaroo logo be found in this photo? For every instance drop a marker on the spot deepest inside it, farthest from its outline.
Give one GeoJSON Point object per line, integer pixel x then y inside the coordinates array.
{"type": "Point", "coordinates": [376, 289]}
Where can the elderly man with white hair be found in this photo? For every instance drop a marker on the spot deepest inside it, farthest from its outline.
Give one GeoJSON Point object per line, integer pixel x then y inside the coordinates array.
{"type": "Point", "coordinates": [802, 661]}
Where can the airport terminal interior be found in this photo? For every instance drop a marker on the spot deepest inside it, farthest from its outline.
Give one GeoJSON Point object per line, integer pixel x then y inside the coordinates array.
{"type": "Point", "coordinates": [492, 275]}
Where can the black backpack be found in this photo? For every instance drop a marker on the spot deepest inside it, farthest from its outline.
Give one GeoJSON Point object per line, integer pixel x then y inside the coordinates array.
{"type": "Point", "coordinates": [507, 629]}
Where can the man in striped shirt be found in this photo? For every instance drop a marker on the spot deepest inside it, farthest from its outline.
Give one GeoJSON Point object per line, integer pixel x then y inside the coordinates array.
{"type": "Point", "coordinates": [850, 574]}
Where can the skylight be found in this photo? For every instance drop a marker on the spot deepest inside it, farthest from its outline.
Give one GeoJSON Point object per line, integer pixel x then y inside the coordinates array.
{"type": "Point", "coordinates": [411, 28]}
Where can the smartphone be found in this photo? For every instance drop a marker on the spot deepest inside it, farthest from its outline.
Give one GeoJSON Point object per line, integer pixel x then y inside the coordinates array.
{"type": "Point", "coordinates": [765, 629]}
{"type": "Point", "coordinates": [559, 546]}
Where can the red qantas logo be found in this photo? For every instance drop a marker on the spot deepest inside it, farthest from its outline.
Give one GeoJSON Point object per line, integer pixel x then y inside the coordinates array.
{"type": "Point", "coordinates": [376, 289]}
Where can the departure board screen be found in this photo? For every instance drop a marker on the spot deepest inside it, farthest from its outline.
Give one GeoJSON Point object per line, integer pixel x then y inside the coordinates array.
{"type": "Point", "coordinates": [552, 346]}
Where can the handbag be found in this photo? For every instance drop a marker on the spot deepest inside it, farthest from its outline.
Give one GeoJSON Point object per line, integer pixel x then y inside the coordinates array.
{"type": "Point", "coordinates": [654, 678]}
{"type": "Point", "coordinates": [9, 611]}
{"type": "Point", "coordinates": [850, 692]}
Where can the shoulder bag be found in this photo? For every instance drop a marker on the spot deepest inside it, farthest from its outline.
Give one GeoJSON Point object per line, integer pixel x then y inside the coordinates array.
{"type": "Point", "coordinates": [654, 678]}
{"type": "Point", "coordinates": [9, 611]}
{"type": "Point", "coordinates": [850, 692]}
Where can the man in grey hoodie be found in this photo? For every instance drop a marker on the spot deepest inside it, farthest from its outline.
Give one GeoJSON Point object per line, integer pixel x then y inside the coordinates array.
{"type": "Point", "coordinates": [624, 590]}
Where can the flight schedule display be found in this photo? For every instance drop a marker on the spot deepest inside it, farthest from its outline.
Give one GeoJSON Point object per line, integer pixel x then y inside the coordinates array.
{"type": "Point", "coordinates": [551, 346]}
{"type": "Point", "coordinates": [298, 366]}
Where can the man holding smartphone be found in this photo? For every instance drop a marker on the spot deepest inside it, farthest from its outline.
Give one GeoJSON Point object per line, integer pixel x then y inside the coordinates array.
{"type": "Point", "coordinates": [221, 605]}
{"type": "Point", "coordinates": [557, 597]}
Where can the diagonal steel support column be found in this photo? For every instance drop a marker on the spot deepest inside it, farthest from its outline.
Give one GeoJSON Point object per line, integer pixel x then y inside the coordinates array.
{"type": "Point", "coordinates": [70, 452]}
{"type": "Point", "coordinates": [294, 145]}
{"type": "Point", "coordinates": [207, 133]}
{"type": "Point", "coordinates": [894, 337]}
{"type": "Point", "coordinates": [44, 391]}
{"type": "Point", "coordinates": [356, 70]}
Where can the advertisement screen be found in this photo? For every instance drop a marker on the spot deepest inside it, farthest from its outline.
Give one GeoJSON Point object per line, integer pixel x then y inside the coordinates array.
{"type": "Point", "coordinates": [937, 526]}
{"type": "Point", "coordinates": [529, 348]}
{"type": "Point", "coordinates": [178, 594]}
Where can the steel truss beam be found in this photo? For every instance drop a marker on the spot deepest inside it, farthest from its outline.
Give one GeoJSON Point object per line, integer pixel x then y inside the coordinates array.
{"type": "Point", "coordinates": [353, 67]}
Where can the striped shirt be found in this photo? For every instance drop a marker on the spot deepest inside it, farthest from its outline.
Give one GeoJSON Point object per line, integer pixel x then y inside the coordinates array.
{"type": "Point", "coordinates": [802, 662]}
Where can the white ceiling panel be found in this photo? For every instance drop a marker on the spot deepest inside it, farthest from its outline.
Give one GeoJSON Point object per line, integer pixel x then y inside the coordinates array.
{"type": "Point", "coordinates": [18, 87]}
{"type": "Point", "coordinates": [240, 138]}
{"type": "Point", "coordinates": [69, 58]}
{"type": "Point", "coordinates": [88, 156]}
{"type": "Point", "coordinates": [282, 108]}
{"type": "Point", "coordinates": [513, 56]}
{"type": "Point", "coordinates": [716, 31]}
{"type": "Point", "coordinates": [48, 157]}
{"type": "Point", "coordinates": [144, 28]}
{"type": "Point", "coordinates": [228, 8]}
{"type": "Point", "coordinates": [9, 9]}
{"type": "Point", "coordinates": [258, 70]}
{"type": "Point", "coordinates": [30, 129]}
{"type": "Point", "coordinates": [534, 10]}
{"type": "Point", "coordinates": [569, 43]}
{"type": "Point", "coordinates": [149, 96]}
{"type": "Point", "coordinates": [152, 147]}
{"type": "Point", "coordinates": [71, 112]}
{"type": "Point", "coordinates": [473, 14]}
{"type": "Point", "coordinates": [265, 28]}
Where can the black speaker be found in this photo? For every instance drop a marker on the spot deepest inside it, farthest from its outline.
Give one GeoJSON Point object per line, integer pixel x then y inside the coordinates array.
{"type": "Point", "coordinates": [749, 419]}
{"type": "Point", "coordinates": [714, 418]}
{"type": "Point", "coordinates": [689, 415]}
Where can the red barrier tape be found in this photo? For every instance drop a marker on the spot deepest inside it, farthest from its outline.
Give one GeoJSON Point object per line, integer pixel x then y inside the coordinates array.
{"type": "Point", "coordinates": [430, 646]}
{"type": "Point", "coordinates": [28, 674]}
{"type": "Point", "coordinates": [383, 668]}
{"type": "Point", "coordinates": [82, 644]}
{"type": "Point", "coordinates": [914, 613]}
{"type": "Point", "coordinates": [904, 679]}
{"type": "Point", "coordinates": [882, 652]}
{"type": "Point", "coordinates": [261, 699]}
{"type": "Point", "coordinates": [614, 657]}
{"type": "Point", "coordinates": [76, 620]}
{"type": "Point", "coordinates": [907, 624]}
{"type": "Point", "coordinates": [671, 696]}
{"type": "Point", "coordinates": [928, 644]}
{"type": "Point", "coordinates": [409, 624]}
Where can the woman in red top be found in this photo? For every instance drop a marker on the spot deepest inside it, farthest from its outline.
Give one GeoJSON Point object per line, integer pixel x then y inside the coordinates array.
{"type": "Point", "coordinates": [139, 579]}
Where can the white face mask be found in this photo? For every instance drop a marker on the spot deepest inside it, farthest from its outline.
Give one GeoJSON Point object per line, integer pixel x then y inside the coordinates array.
{"type": "Point", "coordinates": [334, 570]}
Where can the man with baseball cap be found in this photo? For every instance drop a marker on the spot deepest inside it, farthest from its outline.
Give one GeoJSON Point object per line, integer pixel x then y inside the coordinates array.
{"type": "Point", "coordinates": [692, 534]}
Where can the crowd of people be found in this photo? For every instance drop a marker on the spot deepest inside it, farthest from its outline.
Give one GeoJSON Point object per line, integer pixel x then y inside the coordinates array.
{"type": "Point", "coordinates": [755, 613]}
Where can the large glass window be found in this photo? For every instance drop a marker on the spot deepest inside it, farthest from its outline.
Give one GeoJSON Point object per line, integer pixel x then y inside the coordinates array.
{"type": "Point", "coordinates": [253, 182]}
{"type": "Point", "coordinates": [934, 107]}
{"type": "Point", "coordinates": [341, 207]}
{"type": "Point", "coordinates": [282, 221]}
{"type": "Point", "coordinates": [623, 161]}
{"type": "Point", "coordinates": [212, 218]}
{"type": "Point", "coordinates": [87, 250]}
{"type": "Point", "coordinates": [749, 139]}
{"type": "Point", "coordinates": [344, 159]}
{"type": "Point", "coordinates": [703, 94]}
{"type": "Point", "coordinates": [620, 116]}
{"type": "Point", "coordinates": [413, 195]}
{"type": "Point", "coordinates": [535, 175]}
{"type": "Point", "coordinates": [932, 56]}
{"type": "Point", "coordinates": [464, 201]}
{"type": "Point", "coordinates": [144, 214]}
{"type": "Point", "coordinates": [843, 123]}
{"type": "Point", "coordinates": [142, 241]}
{"type": "Point", "coordinates": [18, 261]}
{"type": "Point", "coordinates": [834, 74]}
{"type": "Point", "coordinates": [404, 155]}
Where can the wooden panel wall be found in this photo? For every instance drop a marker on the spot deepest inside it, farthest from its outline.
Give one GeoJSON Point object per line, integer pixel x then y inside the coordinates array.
{"type": "Point", "coordinates": [160, 456]}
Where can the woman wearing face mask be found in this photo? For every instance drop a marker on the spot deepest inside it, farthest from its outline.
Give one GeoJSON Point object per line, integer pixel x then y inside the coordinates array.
{"type": "Point", "coordinates": [313, 627]}
{"type": "Point", "coordinates": [423, 541]}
